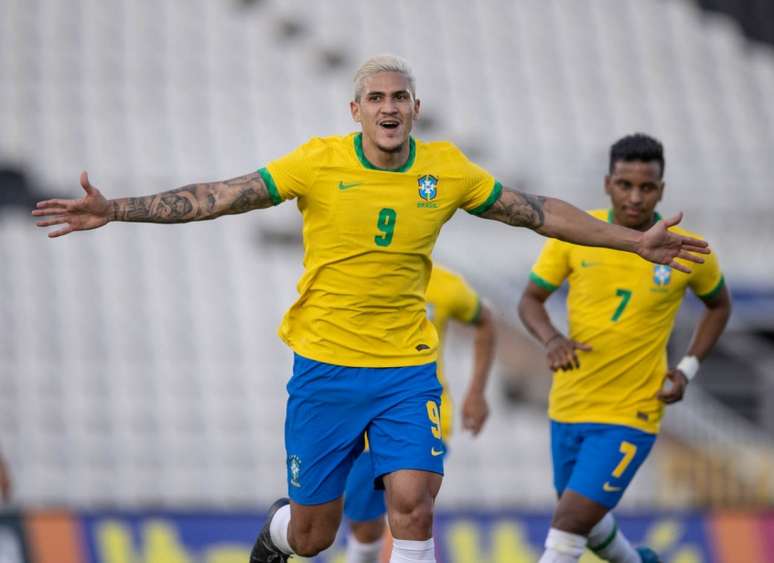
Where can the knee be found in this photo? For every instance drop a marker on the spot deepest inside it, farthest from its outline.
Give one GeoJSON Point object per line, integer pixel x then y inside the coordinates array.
{"type": "Point", "coordinates": [414, 514]}
{"type": "Point", "coordinates": [309, 541]}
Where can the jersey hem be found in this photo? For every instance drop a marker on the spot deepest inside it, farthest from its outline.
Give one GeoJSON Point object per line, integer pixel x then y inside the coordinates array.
{"type": "Point", "coordinates": [386, 362]}
{"type": "Point", "coordinates": [497, 189]}
{"type": "Point", "coordinates": [647, 428]}
{"type": "Point", "coordinates": [276, 198]}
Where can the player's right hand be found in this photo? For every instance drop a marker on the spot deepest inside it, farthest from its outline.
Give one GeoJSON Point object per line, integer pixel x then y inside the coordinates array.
{"type": "Point", "coordinates": [89, 212]}
{"type": "Point", "coordinates": [561, 353]}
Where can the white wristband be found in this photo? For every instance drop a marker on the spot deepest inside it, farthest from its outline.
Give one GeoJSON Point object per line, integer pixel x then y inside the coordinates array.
{"type": "Point", "coordinates": [689, 365]}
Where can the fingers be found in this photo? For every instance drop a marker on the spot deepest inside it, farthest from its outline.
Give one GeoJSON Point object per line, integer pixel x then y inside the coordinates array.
{"type": "Point", "coordinates": [677, 266]}
{"type": "Point", "coordinates": [687, 255]}
{"type": "Point", "coordinates": [49, 203]}
{"type": "Point", "coordinates": [58, 233]}
{"type": "Point", "coordinates": [88, 188]}
{"type": "Point", "coordinates": [672, 221]}
{"type": "Point", "coordinates": [582, 346]}
{"type": "Point", "coordinates": [56, 220]}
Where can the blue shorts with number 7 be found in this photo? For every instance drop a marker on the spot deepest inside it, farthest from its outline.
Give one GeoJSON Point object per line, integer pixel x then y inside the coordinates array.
{"type": "Point", "coordinates": [597, 461]}
{"type": "Point", "coordinates": [331, 408]}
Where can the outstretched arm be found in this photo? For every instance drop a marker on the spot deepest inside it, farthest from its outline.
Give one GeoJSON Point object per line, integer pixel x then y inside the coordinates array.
{"type": "Point", "coordinates": [475, 409]}
{"type": "Point", "coordinates": [555, 218]}
{"type": "Point", "coordinates": [195, 202]}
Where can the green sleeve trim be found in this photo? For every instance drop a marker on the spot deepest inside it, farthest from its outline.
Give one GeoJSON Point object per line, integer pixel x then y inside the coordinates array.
{"type": "Point", "coordinates": [497, 189]}
{"type": "Point", "coordinates": [709, 296]}
{"type": "Point", "coordinates": [276, 198]}
{"type": "Point", "coordinates": [367, 163]}
{"type": "Point", "coordinates": [537, 280]}
{"type": "Point", "coordinates": [476, 318]}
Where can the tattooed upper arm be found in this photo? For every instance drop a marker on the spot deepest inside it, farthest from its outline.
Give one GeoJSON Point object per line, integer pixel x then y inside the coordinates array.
{"type": "Point", "coordinates": [244, 193]}
{"type": "Point", "coordinates": [518, 209]}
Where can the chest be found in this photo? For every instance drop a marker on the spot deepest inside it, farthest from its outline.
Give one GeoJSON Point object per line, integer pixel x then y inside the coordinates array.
{"type": "Point", "coordinates": [384, 210]}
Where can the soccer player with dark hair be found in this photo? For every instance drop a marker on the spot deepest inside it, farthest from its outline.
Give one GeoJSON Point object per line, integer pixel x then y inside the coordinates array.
{"type": "Point", "coordinates": [373, 204]}
{"type": "Point", "coordinates": [609, 387]}
{"type": "Point", "coordinates": [449, 298]}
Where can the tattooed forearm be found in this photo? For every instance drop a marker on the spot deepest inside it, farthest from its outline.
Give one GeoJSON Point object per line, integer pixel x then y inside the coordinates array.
{"type": "Point", "coordinates": [196, 202]}
{"type": "Point", "coordinates": [518, 209]}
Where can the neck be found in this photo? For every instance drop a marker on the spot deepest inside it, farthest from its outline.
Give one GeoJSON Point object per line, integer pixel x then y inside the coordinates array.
{"type": "Point", "coordinates": [389, 160]}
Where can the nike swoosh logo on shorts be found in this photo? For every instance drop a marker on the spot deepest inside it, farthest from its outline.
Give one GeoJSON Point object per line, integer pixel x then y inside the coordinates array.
{"type": "Point", "coordinates": [435, 453]}
{"type": "Point", "coordinates": [608, 488]}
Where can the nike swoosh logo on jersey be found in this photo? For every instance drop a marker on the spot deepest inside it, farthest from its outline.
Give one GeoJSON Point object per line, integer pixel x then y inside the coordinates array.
{"type": "Point", "coordinates": [608, 488]}
{"type": "Point", "coordinates": [588, 264]}
{"type": "Point", "coordinates": [343, 186]}
{"type": "Point", "coordinates": [435, 453]}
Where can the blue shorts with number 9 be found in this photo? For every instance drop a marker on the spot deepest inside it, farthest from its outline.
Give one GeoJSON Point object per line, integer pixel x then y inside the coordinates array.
{"type": "Point", "coordinates": [329, 410]}
{"type": "Point", "coordinates": [597, 461]}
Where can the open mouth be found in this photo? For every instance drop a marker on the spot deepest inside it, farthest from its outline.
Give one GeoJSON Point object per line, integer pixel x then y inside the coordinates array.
{"type": "Point", "coordinates": [389, 124]}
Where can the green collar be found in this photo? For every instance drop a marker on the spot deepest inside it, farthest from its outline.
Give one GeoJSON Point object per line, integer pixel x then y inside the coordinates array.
{"type": "Point", "coordinates": [367, 164]}
{"type": "Point", "coordinates": [610, 216]}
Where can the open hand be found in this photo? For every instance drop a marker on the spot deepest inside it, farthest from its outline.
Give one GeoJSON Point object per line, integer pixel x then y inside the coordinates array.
{"type": "Point", "coordinates": [662, 246]}
{"type": "Point", "coordinates": [89, 212]}
{"type": "Point", "coordinates": [561, 353]}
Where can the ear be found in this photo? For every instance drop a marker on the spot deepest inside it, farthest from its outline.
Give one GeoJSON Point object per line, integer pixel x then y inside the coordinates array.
{"type": "Point", "coordinates": [607, 184]}
{"type": "Point", "coordinates": [417, 104]}
{"type": "Point", "coordinates": [354, 109]}
{"type": "Point", "coordinates": [661, 190]}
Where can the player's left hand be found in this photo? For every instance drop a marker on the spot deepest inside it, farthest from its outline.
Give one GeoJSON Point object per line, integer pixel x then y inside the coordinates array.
{"type": "Point", "coordinates": [658, 244]}
{"type": "Point", "coordinates": [676, 389]}
{"type": "Point", "coordinates": [475, 411]}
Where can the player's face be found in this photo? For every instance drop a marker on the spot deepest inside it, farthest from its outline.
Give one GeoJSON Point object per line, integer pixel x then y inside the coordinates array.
{"type": "Point", "coordinates": [386, 111]}
{"type": "Point", "coordinates": [635, 188]}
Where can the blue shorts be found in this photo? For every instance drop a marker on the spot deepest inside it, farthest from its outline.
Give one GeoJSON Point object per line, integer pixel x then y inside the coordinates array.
{"type": "Point", "coordinates": [597, 461]}
{"type": "Point", "coordinates": [363, 501]}
{"type": "Point", "coordinates": [330, 408]}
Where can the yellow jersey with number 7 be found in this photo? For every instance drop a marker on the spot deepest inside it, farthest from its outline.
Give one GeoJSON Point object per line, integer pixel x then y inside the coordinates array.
{"type": "Point", "coordinates": [624, 308]}
{"type": "Point", "coordinates": [368, 237]}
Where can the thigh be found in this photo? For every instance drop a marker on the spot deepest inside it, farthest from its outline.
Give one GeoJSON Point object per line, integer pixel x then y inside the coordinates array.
{"type": "Point", "coordinates": [607, 462]}
{"type": "Point", "coordinates": [566, 440]}
{"type": "Point", "coordinates": [406, 433]}
{"type": "Point", "coordinates": [324, 427]}
{"type": "Point", "coordinates": [362, 501]}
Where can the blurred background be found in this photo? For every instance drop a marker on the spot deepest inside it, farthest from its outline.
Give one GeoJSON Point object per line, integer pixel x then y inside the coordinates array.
{"type": "Point", "coordinates": [142, 384]}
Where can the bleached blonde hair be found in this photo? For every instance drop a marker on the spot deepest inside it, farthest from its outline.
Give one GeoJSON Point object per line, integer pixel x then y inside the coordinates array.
{"type": "Point", "coordinates": [383, 63]}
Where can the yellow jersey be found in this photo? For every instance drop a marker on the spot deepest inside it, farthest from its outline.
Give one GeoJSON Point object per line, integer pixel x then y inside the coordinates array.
{"type": "Point", "coordinates": [449, 297]}
{"type": "Point", "coordinates": [624, 308]}
{"type": "Point", "coordinates": [368, 236]}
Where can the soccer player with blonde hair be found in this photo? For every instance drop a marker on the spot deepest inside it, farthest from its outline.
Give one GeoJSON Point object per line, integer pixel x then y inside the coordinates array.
{"type": "Point", "coordinates": [373, 203]}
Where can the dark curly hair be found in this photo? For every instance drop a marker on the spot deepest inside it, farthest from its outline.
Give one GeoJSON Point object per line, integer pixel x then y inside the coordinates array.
{"type": "Point", "coordinates": [638, 146]}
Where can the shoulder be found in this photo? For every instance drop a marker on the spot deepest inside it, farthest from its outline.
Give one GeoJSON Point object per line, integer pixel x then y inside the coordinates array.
{"type": "Point", "coordinates": [327, 145]}
{"type": "Point", "coordinates": [442, 149]}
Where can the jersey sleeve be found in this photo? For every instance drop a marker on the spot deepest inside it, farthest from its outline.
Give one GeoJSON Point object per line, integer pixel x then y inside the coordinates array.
{"type": "Point", "coordinates": [482, 190]}
{"type": "Point", "coordinates": [292, 175]}
{"type": "Point", "coordinates": [552, 266]}
{"type": "Point", "coordinates": [707, 279]}
{"type": "Point", "coordinates": [465, 302]}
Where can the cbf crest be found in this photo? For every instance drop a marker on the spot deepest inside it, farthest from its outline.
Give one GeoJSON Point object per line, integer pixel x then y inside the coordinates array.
{"type": "Point", "coordinates": [662, 275]}
{"type": "Point", "coordinates": [294, 467]}
{"type": "Point", "coordinates": [428, 187]}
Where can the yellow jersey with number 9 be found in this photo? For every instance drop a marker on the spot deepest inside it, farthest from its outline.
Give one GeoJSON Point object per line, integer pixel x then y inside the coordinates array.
{"type": "Point", "coordinates": [449, 297]}
{"type": "Point", "coordinates": [368, 236]}
{"type": "Point", "coordinates": [624, 308]}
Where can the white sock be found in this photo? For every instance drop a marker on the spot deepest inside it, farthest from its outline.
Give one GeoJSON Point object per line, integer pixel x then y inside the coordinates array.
{"type": "Point", "coordinates": [358, 552]}
{"type": "Point", "coordinates": [607, 541]}
{"type": "Point", "coordinates": [278, 528]}
{"type": "Point", "coordinates": [563, 547]}
{"type": "Point", "coordinates": [409, 551]}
